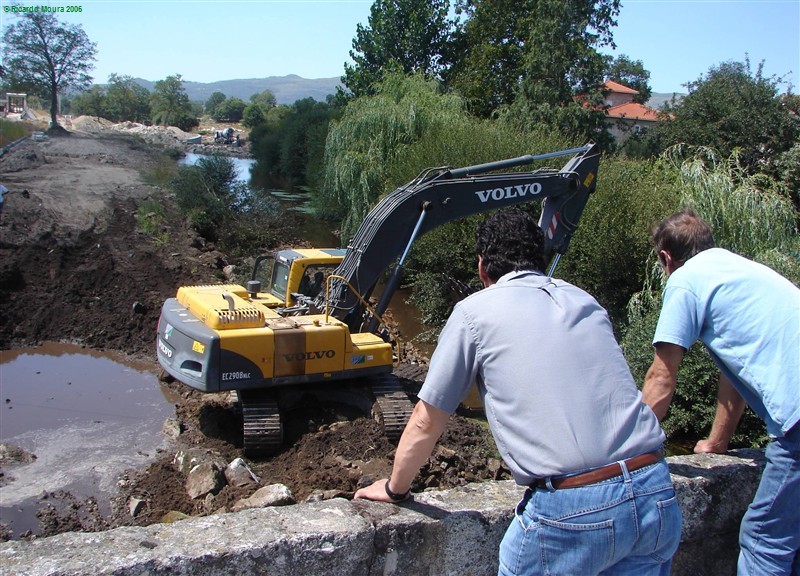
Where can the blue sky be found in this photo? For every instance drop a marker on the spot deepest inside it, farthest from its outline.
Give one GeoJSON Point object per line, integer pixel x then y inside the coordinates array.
{"type": "Point", "coordinates": [204, 41]}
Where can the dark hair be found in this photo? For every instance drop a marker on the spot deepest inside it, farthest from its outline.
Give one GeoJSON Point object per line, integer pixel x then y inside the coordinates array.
{"type": "Point", "coordinates": [508, 241]}
{"type": "Point", "coordinates": [683, 235]}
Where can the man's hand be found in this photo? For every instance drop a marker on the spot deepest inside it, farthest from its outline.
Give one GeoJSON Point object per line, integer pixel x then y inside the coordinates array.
{"type": "Point", "coordinates": [375, 491]}
{"type": "Point", "coordinates": [708, 446]}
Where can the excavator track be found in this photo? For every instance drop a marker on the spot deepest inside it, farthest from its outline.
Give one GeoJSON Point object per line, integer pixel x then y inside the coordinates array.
{"type": "Point", "coordinates": [261, 422]}
{"type": "Point", "coordinates": [392, 408]}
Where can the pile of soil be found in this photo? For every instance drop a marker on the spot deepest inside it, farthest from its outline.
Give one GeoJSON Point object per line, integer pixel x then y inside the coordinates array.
{"type": "Point", "coordinates": [75, 266]}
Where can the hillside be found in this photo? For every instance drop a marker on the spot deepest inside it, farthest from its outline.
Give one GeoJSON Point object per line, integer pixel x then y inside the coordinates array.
{"type": "Point", "coordinates": [287, 89]}
{"type": "Point", "coordinates": [658, 99]}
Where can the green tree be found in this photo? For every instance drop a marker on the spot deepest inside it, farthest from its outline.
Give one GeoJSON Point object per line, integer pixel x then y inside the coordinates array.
{"type": "Point", "coordinates": [732, 108]}
{"type": "Point", "coordinates": [230, 110]}
{"type": "Point", "coordinates": [256, 112]}
{"type": "Point", "coordinates": [48, 56]}
{"type": "Point", "coordinates": [253, 116]}
{"type": "Point", "coordinates": [488, 52]}
{"type": "Point", "coordinates": [213, 101]}
{"type": "Point", "coordinates": [409, 36]}
{"type": "Point", "coordinates": [562, 63]}
{"type": "Point", "coordinates": [630, 73]}
{"type": "Point", "coordinates": [126, 100]}
{"type": "Point", "coordinates": [91, 103]}
{"type": "Point", "coordinates": [265, 100]}
{"type": "Point", "coordinates": [371, 133]}
{"type": "Point", "coordinates": [170, 104]}
{"type": "Point", "coordinates": [289, 143]}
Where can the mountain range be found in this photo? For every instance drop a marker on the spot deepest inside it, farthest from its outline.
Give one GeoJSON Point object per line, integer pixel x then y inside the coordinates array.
{"type": "Point", "coordinates": [289, 89]}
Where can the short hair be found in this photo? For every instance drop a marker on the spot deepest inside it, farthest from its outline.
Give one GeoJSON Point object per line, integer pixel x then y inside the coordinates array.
{"type": "Point", "coordinates": [509, 241]}
{"type": "Point", "coordinates": [683, 234]}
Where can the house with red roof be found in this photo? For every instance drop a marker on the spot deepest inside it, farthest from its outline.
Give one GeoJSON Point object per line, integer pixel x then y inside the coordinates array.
{"type": "Point", "coordinates": [626, 117]}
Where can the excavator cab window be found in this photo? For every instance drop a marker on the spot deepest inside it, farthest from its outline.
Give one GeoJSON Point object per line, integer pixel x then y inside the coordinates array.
{"type": "Point", "coordinates": [279, 279]}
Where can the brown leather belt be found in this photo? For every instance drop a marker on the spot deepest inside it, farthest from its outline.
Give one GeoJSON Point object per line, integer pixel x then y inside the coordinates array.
{"type": "Point", "coordinates": [600, 474]}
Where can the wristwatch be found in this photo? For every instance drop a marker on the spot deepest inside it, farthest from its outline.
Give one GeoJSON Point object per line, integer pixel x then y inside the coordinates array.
{"type": "Point", "coordinates": [395, 497]}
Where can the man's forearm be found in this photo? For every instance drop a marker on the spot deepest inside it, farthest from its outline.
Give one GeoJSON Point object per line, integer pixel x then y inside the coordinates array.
{"type": "Point", "coordinates": [416, 444]}
{"type": "Point", "coordinates": [661, 378]}
{"type": "Point", "coordinates": [730, 407]}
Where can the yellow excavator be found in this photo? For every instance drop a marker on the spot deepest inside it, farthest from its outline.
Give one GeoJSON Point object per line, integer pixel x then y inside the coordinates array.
{"type": "Point", "coordinates": [304, 320]}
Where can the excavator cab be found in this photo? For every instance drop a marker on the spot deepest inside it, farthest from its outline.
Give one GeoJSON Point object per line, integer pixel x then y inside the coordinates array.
{"type": "Point", "coordinates": [296, 276]}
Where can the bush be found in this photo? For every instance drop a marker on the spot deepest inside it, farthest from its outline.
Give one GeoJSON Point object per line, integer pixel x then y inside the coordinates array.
{"type": "Point", "coordinates": [612, 241]}
{"type": "Point", "coordinates": [242, 219]}
{"type": "Point", "coordinates": [150, 219]}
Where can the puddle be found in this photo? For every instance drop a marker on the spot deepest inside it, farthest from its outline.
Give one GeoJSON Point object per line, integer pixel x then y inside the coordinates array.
{"type": "Point", "coordinates": [87, 416]}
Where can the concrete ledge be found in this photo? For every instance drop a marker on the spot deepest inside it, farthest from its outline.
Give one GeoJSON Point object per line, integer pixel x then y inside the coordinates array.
{"type": "Point", "coordinates": [452, 532]}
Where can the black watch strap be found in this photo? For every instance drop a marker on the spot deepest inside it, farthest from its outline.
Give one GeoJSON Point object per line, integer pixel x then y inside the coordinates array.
{"type": "Point", "coordinates": [394, 495]}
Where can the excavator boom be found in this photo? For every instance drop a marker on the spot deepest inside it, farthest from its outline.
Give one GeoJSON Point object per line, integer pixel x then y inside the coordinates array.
{"type": "Point", "coordinates": [443, 195]}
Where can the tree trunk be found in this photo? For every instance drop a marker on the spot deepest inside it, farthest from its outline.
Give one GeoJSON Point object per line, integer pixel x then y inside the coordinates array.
{"type": "Point", "coordinates": [54, 105]}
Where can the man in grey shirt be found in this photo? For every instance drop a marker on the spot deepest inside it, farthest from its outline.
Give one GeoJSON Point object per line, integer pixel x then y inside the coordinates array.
{"type": "Point", "coordinates": [565, 413]}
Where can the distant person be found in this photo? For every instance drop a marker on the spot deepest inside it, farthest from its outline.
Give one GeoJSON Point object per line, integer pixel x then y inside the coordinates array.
{"type": "Point", "coordinates": [3, 192]}
{"type": "Point", "coordinates": [748, 317]}
{"type": "Point", "coordinates": [564, 411]}
{"type": "Point", "coordinates": [316, 285]}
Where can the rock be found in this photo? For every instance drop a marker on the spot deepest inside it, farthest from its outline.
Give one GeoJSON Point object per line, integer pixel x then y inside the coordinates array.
{"type": "Point", "coordinates": [171, 428]}
{"type": "Point", "coordinates": [173, 516]}
{"type": "Point", "coordinates": [272, 495]}
{"type": "Point", "coordinates": [139, 308]}
{"type": "Point", "coordinates": [10, 454]}
{"type": "Point", "coordinates": [135, 506]}
{"type": "Point", "coordinates": [203, 479]}
{"type": "Point", "coordinates": [315, 496]}
{"type": "Point", "coordinates": [238, 473]}
{"type": "Point", "coordinates": [185, 460]}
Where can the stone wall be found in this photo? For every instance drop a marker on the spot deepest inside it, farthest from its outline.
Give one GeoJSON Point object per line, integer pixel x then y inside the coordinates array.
{"type": "Point", "coordinates": [453, 532]}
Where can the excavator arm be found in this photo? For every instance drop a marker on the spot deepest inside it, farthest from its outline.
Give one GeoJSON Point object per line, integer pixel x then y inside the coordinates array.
{"type": "Point", "coordinates": [442, 195]}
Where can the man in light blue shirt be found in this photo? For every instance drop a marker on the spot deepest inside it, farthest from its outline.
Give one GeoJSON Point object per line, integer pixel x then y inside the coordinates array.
{"type": "Point", "coordinates": [564, 411]}
{"type": "Point", "coordinates": [748, 317]}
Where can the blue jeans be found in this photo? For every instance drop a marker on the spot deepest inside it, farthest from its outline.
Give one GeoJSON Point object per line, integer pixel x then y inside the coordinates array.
{"type": "Point", "coordinates": [769, 538]}
{"type": "Point", "coordinates": [630, 524]}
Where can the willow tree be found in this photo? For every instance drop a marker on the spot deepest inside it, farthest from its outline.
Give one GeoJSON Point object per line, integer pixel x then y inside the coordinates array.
{"type": "Point", "coordinates": [46, 56]}
{"type": "Point", "coordinates": [372, 132]}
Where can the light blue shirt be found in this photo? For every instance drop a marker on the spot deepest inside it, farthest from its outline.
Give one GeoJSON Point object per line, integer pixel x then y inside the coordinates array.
{"type": "Point", "coordinates": [748, 316]}
{"type": "Point", "coordinates": [558, 394]}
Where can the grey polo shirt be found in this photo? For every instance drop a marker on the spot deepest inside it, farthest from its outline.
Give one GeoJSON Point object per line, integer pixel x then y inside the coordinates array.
{"type": "Point", "coordinates": [558, 393]}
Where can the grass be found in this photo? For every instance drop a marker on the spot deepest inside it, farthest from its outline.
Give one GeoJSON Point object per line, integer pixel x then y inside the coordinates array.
{"type": "Point", "coordinates": [150, 218]}
{"type": "Point", "coordinates": [10, 131]}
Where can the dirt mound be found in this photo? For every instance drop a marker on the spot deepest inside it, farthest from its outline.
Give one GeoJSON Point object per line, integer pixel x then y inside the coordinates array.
{"type": "Point", "coordinates": [90, 124]}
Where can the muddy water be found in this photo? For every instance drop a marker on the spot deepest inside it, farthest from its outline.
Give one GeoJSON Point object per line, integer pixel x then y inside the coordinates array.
{"type": "Point", "coordinates": [87, 416]}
